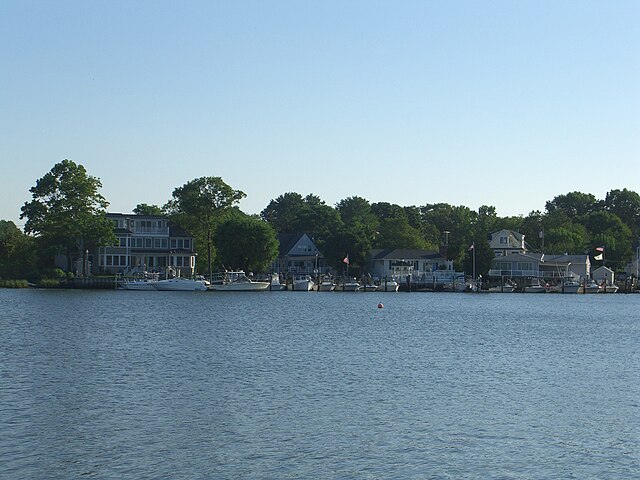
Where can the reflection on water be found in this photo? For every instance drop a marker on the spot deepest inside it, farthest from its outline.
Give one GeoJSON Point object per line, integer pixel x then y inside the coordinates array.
{"type": "Point", "coordinates": [321, 385]}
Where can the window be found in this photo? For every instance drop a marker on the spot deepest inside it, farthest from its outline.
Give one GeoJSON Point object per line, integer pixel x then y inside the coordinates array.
{"type": "Point", "coordinates": [163, 243]}
{"type": "Point", "coordinates": [503, 240]}
{"type": "Point", "coordinates": [123, 241]}
{"type": "Point", "coordinates": [156, 243]}
{"type": "Point", "coordinates": [180, 243]}
{"type": "Point", "coordinates": [187, 243]}
{"type": "Point", "coordinates": [147, 242]}
{"type": "Point", "coordinates": [178, 261]}
{"type": "Point", "coordinates": [524, 266]}
{"type": "Point", "coordinates": [173, 243]}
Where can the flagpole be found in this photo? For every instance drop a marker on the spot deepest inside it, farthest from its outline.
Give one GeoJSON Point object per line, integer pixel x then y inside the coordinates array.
{"type": "Point", "coordinates": [473, 247]}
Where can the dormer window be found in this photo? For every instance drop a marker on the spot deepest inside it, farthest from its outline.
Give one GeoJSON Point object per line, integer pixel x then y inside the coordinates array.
{"type": "Point", "coordinates": [503, 240]}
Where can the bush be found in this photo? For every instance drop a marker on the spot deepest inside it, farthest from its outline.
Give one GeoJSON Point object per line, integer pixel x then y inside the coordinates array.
{"type": "Point", "coordinates": [49, 283]}
{"type": "Point", "coordinates": [14, 284]}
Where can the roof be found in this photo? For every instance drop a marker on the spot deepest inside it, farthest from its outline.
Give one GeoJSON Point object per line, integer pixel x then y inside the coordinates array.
{"type": "Point", "coordinates": [288, 241]}
{"type": "Point", "coordinates": [404, 254]}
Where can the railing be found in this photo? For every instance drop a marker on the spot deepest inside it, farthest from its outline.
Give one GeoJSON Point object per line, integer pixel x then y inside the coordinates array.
{"type": "Point", "coordinates": [527, 273]}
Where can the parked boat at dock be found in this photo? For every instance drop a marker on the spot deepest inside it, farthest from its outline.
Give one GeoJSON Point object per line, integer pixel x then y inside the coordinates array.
{"type": "Point", "coordinates": [180, 284]}
{"type": "Point", "coordinates": [302, 283]}
{"type": "Point", "coordinates": [237, 282]}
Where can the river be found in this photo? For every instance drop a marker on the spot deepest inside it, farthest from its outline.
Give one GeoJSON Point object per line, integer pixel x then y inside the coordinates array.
{"type": "Point", "coordinates": [277, 385]}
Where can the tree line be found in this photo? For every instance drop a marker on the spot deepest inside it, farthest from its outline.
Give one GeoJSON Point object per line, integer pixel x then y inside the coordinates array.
{"type": "Point", "coordinates": [67, 214]}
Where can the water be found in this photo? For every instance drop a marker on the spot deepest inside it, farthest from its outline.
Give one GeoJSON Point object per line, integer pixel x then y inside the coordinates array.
{"type": "Point", "coordinates": [147, 385]}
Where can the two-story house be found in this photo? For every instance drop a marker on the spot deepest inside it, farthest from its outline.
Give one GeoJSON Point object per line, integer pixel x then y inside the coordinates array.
{"type": "Point", "coordinates": [144, 244]}
{"type": "Point", "coordinates": [506, 242]}
{"type": "Point", "coordinates": [298, 255]}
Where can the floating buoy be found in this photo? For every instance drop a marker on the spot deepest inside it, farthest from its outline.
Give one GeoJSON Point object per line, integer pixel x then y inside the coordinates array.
{"type": "Point", "coordinates": [380, 305]}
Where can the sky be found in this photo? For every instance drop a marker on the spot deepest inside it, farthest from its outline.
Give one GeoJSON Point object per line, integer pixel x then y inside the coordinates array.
{"type": "Point", "coordinates": [504, 103]}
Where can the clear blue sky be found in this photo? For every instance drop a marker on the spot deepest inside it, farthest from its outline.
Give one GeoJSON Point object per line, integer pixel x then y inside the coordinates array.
{"type": "Point", "coordinates": [505, 103]}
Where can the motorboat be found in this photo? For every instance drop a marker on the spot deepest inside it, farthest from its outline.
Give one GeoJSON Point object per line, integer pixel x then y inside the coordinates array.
{"type": "Point", "coordinates": [506, 287]}
{"type": "Point", "coordinates": [388, 286]}
{"type": "Point", "coordinates": [237, 282]}
{"type": "Point", "coordinates": [351, 285]}
{"type": "Point", "coordinates": [536, 287]}
{"type": "Point", "coordinates": [326, 284]}
{"type": "Point", "coordinates": [302, 283]}
{"type": "Point", "coordinates": [567, 285]}
{"type": "Point", "coordinates": [140, 283]}
{"type": "Point", "coordinates": [275, 285]}
{"type": "Point", "coordinates": [592, 287]}
{"type": "Point", "coordinates": [180, 283]}
{"type": "Point", "coordinates": [608, 288]}
{"type": "Point", "coordinates": [370, 287]}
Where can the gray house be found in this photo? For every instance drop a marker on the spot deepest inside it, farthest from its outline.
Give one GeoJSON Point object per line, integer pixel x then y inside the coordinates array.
{"type": "Point", "coordinates": [402, 263]}
{"type": "Point", "coordinates": [146, 243]}
{"type": "Point", "coordinates": [539, 265]}
{"type": "Point", "coordinates": [298, 255]}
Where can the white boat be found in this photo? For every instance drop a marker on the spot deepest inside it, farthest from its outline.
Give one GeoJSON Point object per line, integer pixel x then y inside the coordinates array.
{"type": "Point", "coordinates": [350, 286]}
{"type": "Point", "coordinates": [370, 287]}
{"type": "Point", "coordinates": [326, 285]}
{"type": "Point", "coordinates": [536, 287]}
{"type": "Point", "coordinates": [608, 288]}
{"type": "Point", "coordinates": [275, 285]}
{"type": "Point", "coordinates": [592, 287]}
{"type": "Point", "coordinates": [237, 282]}
{"type": "Point", "coordinates": [568, 285]}
{"type": "Point", "coordinates": [506, 288]}
{"type": "Point", "coordinates": [388, 286]}
{"type": "Point", "coordinates": [180, 283]}
{"type": "Point", "coordinates": [302, 283]}
{"type": "Point", "coordinates": [141, 283]}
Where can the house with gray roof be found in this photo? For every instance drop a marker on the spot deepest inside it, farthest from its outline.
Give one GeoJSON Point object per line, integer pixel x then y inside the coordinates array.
{"type": "Point", "coordinates": [423, 266]}
{"type": "Point", "coordinates": [540, 265]}
{"type": "Point", "coordinates": [299, 255]}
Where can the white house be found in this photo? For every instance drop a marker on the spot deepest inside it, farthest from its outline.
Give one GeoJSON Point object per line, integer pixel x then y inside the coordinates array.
{"type": "Point", "coordinates": [506, 242]}
{"type": "Point", "coordinates": [421, 265]}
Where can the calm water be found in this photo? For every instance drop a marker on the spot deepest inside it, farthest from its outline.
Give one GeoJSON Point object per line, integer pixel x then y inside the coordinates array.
{"type": "Point", "coordinates": [146, 385]}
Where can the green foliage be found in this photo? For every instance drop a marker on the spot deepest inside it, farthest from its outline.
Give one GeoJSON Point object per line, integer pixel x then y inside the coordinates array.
{"type": "Point", "coordinates": [199, 206]}
{"type": "Point", "coordinates": [247, 243]}
{"type": "Point", "coordinates": [14, 284]}
{"type": "Point", "coordinates": [18, 258]}
{"type": "Point", "coordinates": [66, 211]}
{"type": "Point", "coordinates": [483, 257]}
{"type": "Point", "coordinates": [397, 233]}
{"type": "Point", "coordinates": [144, 209]}
{"type": "Point", "coordinates": [574, 204]}
{"type": "Point", "coordinates": [49, 283]}
{"type": "Point", "coordinates": [626, 205]}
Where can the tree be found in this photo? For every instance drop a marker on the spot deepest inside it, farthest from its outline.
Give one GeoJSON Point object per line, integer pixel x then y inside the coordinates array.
{"type": "Point", "coordinates": [570, 238]}
{"type": "Point", "coordinates": [608, 231]}
{"type": "Point", "coordinates": [246, 242]}
{"type": "Point", "coordinates": [144, 209]}
{"type": "Point", "coordinates": [283, 213]}
{"type": "Point", "coordinates": [574, 204]}
{"type": "Point", "coordinates": [397, 233]}
{"type": "Point", "coordinates": [200, 205]}
{"type": "Point", "coordinates": [356, 212]}
{"type": "Point", "coordinates": [67, 212]}
{"type": "Point", "coordinates": [483, 257]}
{"type": "Point", "coordinates": [626, 205]}
{"type": "Point", "coordinates": [18, 258]}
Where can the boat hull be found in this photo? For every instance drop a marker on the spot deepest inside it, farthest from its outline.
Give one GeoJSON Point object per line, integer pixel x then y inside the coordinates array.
{"type": "Point", "coordinates": [180, 284]}
{"type": "Point", "coordinates": [241, 287]}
